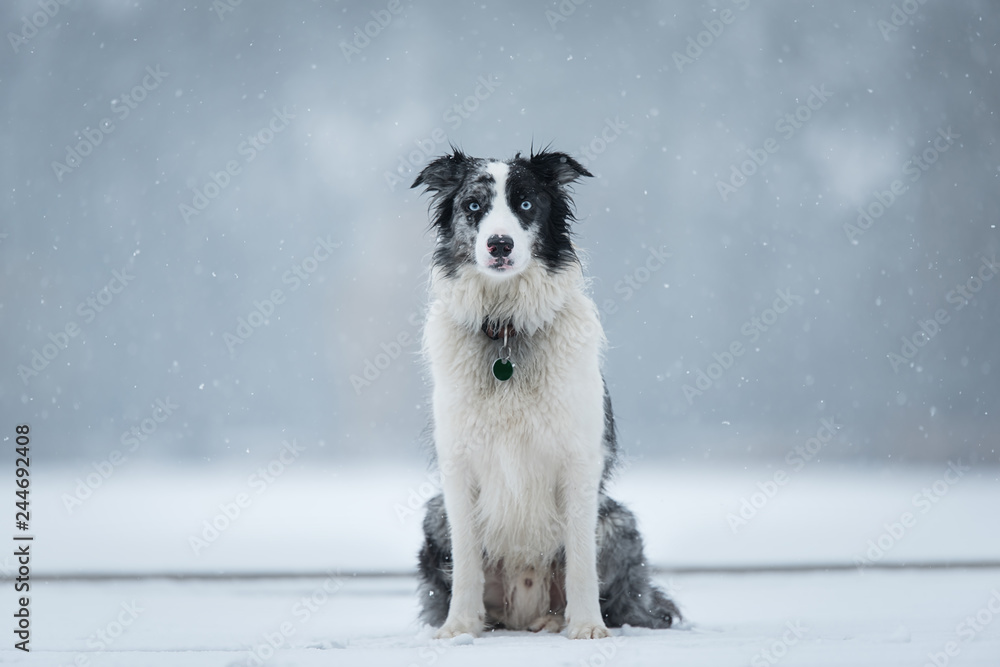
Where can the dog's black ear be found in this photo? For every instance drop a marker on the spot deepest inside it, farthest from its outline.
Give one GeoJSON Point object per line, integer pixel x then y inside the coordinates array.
{"type": "Point", "coordinates": [558, 168]}
{"type": "Point", "coordinates": [444, 173]}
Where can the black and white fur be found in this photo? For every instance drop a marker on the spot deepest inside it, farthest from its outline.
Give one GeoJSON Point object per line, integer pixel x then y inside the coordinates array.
{"type": "Point", "coordinates": [523, 536]}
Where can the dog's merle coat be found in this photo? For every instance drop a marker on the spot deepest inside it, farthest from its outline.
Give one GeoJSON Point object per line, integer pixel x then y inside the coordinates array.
{"type": "Point", "coordinates": [523, 462]}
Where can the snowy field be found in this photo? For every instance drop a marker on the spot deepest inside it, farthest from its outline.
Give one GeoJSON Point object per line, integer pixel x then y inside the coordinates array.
{"type": "Point", "coordinates": [845, 618]}
{"type": "Point", "coordinates": [842, 532]}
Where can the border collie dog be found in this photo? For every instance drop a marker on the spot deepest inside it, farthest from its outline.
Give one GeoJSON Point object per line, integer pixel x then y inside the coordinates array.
{"type": "Point", "coordinates": [523, 536]}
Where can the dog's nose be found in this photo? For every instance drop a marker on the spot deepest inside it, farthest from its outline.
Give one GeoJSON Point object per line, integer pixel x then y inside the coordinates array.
{"type": "Point", "coordinates": [500, 245]}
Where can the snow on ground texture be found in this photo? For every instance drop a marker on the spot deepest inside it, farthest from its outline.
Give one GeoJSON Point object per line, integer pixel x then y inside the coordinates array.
{"type": "Point", "coordinates": [344, 520]}
{"type": "Point", "coordinates": [844, 618]}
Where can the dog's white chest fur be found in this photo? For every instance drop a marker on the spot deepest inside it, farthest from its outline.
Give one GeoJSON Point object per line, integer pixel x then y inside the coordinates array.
{"type": "Point", "coordinates": [518, 444]}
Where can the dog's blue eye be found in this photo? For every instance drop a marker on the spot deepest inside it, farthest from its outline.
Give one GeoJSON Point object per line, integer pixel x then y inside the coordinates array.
{"type": "Point", "coordinates": [526, 205]}
{"type": "Point", "coordinates": [473, 206]}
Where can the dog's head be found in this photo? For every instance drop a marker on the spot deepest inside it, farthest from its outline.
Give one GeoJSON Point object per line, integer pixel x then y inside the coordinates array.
{"type": "Point", "coordinates": [502, 217]}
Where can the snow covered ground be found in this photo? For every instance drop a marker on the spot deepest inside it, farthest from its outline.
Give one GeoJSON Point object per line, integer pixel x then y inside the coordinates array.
{"type": "Point", "coordinates": [325, 525]}
{"type": "Point", "coordinates": [878, 618]}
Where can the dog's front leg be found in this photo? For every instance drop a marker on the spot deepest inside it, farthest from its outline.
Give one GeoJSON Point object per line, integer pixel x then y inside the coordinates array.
{"type": "Point", "coordinates": [583, 608]}
{"type": "Point", "coordinates": [467, 611]}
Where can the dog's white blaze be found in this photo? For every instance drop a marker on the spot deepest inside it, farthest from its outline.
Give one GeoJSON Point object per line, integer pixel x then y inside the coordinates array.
{"type": "Point", "coordinates": [501, 221]}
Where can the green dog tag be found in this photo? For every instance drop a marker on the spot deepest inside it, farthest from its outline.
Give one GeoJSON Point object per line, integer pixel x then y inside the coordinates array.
{"type": "Point", "coordinates": [503, 370]}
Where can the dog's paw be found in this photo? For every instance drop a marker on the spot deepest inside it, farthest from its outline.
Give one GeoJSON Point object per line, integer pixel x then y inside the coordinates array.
{"type": "Point", "coordinates": [453, 629]}
{"type": "Point", "coordinates": [549, 623]}
{"type": "Point", "coordinates": [588, 631]}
